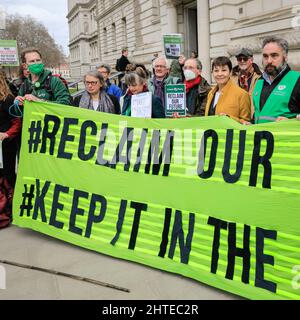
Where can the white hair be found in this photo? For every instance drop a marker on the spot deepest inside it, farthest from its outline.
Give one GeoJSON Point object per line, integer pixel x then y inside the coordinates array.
{"type": "Point", "coordinates": [167, 62]}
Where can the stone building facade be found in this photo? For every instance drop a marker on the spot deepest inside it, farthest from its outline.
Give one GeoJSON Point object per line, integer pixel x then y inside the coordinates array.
{"type": "Point", "coordinates": [100, 28]}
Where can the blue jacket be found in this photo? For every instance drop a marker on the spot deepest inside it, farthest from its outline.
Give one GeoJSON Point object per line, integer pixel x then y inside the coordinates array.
{"type": "Point", "coordinates": [113, 90]}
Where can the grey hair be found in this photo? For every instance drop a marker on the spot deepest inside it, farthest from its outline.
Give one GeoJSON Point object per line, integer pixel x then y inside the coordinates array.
{"type": "Point", "coordinates": [198, 63]}
{"type": "Point", "coordinates": [96, 74]}
{"type": "Point", "coordinates": [133, 79]}
{"type": "Point", "coordinates": [280, 41]}
{"type": "Point", "coordinates": [167, 62]}
{"type": "Point", "coordinates": [105, 66]}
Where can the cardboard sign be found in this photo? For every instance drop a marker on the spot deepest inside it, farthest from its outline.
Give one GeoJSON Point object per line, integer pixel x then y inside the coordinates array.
{"type": "Point", "coordinates": [172, 45]}
{"type": "Point", "coordinates": [175, 99]}
{"type": "Point", "coordinates": [9, 53]}
{"type": "Point", "coordinates": [141, 105]}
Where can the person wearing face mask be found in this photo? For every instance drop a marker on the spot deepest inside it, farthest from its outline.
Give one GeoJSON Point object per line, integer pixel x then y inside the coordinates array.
{"type": "Point", "coordinates": [197, 87]}
{"type": "Point", "coordinates": [276, 95]}
{"type": "Point", "coordinates": [227, 98]}
{"type": "Point", "coordinates": [40, 85]}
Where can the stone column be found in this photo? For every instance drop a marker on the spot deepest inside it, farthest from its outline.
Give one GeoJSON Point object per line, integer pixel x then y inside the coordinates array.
{"type": "Point", "coordinates": [171, 17]}
{"type": "Point", "coordinates": [204, 37]}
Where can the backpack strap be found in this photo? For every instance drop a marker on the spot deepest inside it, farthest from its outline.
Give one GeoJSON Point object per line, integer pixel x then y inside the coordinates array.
{"type": "Point", "coordinates": [27, 89]}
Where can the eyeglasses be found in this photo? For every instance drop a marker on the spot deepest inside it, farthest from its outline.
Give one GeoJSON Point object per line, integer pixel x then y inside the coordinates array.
{"type": "Point", "coordinates": [159, 66]}
{"type": "Point", "coordinates": [92, 83]}
{"type": "Point", "coordinates": [240, 59]}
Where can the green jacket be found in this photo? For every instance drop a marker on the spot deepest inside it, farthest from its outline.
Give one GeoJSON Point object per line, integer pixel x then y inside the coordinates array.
{"type": "Point", "coordinates": [168, 80]}
{"type": "Point", "coordinates": [57, 91]}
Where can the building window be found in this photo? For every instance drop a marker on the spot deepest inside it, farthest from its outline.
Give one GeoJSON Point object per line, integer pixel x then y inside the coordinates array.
{"type": "Point", "coordinates": [105, 41]}
{"type": "Point", "coordinates": [113, 37]}
{"type": "Point", "coordinates": [124, 32]}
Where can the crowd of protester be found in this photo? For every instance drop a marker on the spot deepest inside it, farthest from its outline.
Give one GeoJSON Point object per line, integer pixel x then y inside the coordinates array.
{"type": "Point", "coordinates": [244, 93]}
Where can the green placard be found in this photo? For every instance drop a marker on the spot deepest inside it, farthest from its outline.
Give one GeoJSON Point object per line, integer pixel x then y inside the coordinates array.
{"type": "Point", "coordinates": [9, 53]}
{"type": "Point", "coordinates": [172, 45]}
{"type": "Point", "coordinates": [203, 197]}
{"type": "Point", "coordinates": [175, 99]}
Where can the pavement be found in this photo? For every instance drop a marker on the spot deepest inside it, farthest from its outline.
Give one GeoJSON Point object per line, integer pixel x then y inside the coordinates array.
{"type": "Point", "coordinates": [35, 249]}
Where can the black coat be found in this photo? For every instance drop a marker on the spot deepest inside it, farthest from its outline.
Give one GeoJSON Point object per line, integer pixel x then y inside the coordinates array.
{"type": "Point", "coordinates": [122, 63]}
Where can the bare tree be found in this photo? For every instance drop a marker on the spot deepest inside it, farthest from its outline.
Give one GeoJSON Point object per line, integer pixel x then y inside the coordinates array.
{"type": "Point", "coordinates": [31, 33]}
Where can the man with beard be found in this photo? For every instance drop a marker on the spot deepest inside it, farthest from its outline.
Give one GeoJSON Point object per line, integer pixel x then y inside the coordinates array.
{"type": "Point", "coordinates": [276, 95]}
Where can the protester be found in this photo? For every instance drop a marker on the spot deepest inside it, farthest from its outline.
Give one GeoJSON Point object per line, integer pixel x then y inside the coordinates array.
{"type": "Point", "coordinates": [121, 64]}
{"type": "Point", "coordinates": [95, 97]}
{"type": "Point", "coordinates": [227, 98]}
{"type": "Point", "coordinates": [246, 73]}
{"type": "Point", "coordinates": [138, 84]}
{"type": "Point", "coordinates": [23, 75]}
{"type": "Point", "coordinates": [197, 87]}
{"type": "Point", "coordinates": [161, 78]}
{"type": "Point", "coordinates": [10, 128]}
{"type": "Point", "coordinates": [40, 84]}
{"type": "Point", "coordinates": [129, 68]}
{"type": "Point", "coordinates": [176, 68]}
{"type": "Point", "coordinates": [194, 54]}
{"type": "Point", "coordinates": [111, 88]}
{"type": "Point", "coordinates": [276, 95]}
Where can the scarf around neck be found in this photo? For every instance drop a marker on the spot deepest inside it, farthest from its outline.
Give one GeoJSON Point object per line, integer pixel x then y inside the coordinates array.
{"type": "Point", "coordinates": [244, 78]}
{"type": "Point", "coordinates": [192, 83]}
{"type": "Point", "coordinates": [159, 89]}
{"type": "Point", "coordinates": [105, 104]}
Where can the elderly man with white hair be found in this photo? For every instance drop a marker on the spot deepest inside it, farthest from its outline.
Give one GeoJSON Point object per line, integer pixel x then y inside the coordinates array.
{"type": "Point", "coordinates": [161, 78]}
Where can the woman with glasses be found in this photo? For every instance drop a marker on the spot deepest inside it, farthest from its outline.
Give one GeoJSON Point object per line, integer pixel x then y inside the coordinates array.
{"type": "Point", "coordinates": [94, 97]}
{"type": "Point", "coordinates": [227, 98]}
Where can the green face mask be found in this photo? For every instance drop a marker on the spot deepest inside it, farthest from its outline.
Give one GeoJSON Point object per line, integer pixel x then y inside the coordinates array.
{"type": "Point", "coordinates": [36, 68]}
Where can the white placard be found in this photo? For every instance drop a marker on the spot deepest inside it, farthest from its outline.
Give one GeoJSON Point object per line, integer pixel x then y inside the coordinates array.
{"type": "Point", "coordinates": [141, 105]}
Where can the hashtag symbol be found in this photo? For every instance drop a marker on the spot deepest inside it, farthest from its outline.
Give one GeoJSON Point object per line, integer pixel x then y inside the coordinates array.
{"type": "Point", "coordinates": [27, 200]}
{"type": "Point", "coordinates": [35, 135]}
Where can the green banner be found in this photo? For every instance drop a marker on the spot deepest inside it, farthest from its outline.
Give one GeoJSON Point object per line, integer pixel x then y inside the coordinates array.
{"type": "Point", "coordinates": [206, 197]}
